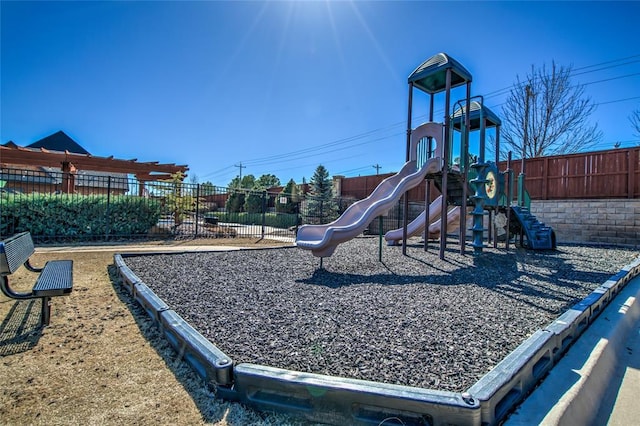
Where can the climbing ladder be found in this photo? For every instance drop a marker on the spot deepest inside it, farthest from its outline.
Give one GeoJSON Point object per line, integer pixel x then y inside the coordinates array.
{"type": "Point", "coordinates": [539, 236]}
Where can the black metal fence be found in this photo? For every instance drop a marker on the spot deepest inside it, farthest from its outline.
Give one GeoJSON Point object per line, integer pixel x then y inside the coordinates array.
{"type": "Point", "coordinates": [107, 207]}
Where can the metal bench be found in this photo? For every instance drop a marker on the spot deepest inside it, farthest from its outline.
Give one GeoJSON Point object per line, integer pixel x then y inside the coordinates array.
{"type": "Point", "coordinates": [55, 279]}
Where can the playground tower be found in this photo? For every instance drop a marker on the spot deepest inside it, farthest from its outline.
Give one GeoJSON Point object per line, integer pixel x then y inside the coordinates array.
{"type": "Point", "coordinates": [440, 74]}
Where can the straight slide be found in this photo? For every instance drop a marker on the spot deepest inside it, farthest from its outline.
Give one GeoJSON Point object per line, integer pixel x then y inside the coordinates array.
{"type": "Point", "coordinates": [323, 239]}
{"type": "Point", "coordinates": [417, 226]}
{"type": "Point", "coordinates": [453, 223]}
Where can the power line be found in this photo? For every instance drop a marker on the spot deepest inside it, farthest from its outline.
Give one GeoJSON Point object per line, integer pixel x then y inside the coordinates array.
{"type": "Point", "coordinates": [346, 143]}
{"type": "Point", "coordinates": [618, 100]}
{"type": "Point", "coordinates": [305, 151]}
{"type": "Point", "coordinates": [608, 62]}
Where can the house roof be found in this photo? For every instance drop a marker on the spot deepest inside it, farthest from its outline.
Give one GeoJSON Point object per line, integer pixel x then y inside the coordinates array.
{"type": "Point", "coordinates": [59, 141]}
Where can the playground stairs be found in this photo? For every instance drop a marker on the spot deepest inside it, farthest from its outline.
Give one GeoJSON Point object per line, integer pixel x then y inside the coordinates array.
{"type": "Point", "coordinates": [539, 236]}
{"type": "Point", "coordinates": [454, 187]}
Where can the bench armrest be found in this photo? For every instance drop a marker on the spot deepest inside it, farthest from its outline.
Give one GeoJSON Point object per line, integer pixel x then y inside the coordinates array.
{"type": "Point", "coordinates": [10, 293]}
{"type": "Point", "coordinates": [30, 267]}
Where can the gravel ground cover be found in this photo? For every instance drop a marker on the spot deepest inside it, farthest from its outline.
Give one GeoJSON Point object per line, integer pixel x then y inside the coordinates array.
{"type": "Point", "coordinates": [412, 320]}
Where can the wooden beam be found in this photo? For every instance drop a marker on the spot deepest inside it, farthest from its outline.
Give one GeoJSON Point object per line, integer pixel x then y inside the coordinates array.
{"type": "Point", "coordinates": [29, 157]}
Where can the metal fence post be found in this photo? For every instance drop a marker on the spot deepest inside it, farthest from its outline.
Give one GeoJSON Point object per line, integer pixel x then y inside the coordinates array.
{"type": "Point", "coordinates": [108, 212]}
{"type": "Point", "coordinates": [264, 212]}
{"type": "Point", "coordinates": [197, 206]}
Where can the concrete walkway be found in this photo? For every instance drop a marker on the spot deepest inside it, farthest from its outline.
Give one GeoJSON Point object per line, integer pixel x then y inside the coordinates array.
{"type": "Point", "coordinates": [626, 410]}
{"type": "Point", "coordinates": [173, 247]}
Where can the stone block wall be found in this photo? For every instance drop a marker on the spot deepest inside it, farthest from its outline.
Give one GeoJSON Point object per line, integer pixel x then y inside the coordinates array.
{"type": "Point", "coordinates": [615, 221]}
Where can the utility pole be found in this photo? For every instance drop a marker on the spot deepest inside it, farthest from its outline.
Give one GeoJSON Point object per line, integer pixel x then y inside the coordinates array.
{"type": "Point", "coordinates": [525, 142]}
{"type": "Point", "coordinates": [377, 167]}
{"type": "Point", "coordinates": [240, 166]}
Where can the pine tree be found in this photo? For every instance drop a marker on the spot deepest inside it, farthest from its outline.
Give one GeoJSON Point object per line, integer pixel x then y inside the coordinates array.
{"type": "Point", "coordinates": [321, 208]}
{"type": "Point", "coordinates": [288, 199]}
{"type": "Point", "coordinates": [321, 184]}
{"type": "Point", "coordinates": [237, 189]}
{"type": "Point", "coordinates": [253, 201]}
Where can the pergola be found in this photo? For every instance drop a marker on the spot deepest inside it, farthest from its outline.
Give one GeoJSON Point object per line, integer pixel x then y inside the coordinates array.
{"type": "Point", "coordinates": [70, 162]}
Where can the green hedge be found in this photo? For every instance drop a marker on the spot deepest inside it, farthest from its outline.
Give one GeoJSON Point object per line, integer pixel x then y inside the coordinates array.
{"type": "Point", "coordinates": [77, 217]}
{"type": "Point", "coordinates": [275, 220]}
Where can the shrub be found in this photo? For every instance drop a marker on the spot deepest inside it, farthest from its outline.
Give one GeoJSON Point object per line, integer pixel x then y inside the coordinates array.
{"type": "Point", "coordinates": [235, 202]}
{"type": "Point", "coordinates": [77, 217]}
{"type": "Point", "coordinates": [253, 202]}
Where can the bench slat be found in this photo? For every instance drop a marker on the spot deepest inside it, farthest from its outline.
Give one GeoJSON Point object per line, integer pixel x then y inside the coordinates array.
{"type": "Point", "coordinates": [56, 279]}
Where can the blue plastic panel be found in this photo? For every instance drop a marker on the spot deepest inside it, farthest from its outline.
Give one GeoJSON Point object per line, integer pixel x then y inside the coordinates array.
{"type": "Point", "coordinates": [149, 301]}
{"type": "Point", "coordinates": [509, 381]}
{"type": "Point", "coordinates": [214, 366]}
{"type": "Point", "coordinates": [337, 400]}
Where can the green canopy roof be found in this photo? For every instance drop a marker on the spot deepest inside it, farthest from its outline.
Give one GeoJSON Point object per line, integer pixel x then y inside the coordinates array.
{"type": "Point", "coordinates": [477, 110]}
{"type": "Point", "coordinates": [430, 76]}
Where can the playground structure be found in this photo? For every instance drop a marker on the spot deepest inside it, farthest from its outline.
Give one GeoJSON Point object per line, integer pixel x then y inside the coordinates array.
{"type": "Point", "coordinates": [478, 185]}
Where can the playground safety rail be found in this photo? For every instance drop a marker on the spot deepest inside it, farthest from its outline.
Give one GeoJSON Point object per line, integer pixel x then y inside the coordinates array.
{"type": "Point", "coordinates": [340, 400]}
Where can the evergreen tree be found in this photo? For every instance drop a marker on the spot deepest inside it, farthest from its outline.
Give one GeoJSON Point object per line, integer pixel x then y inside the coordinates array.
{"type": "Point", "coordinates": [235, 201]}
{"type": "Point", "coordinates": [237, 189]}
{"type": "Point", "coordinates": [247, 182]}
{"type": "Point", "coordinates": [321, 208]}
{"type": "Point", "coordinates": [253, 201]}
{"type": "Point", "coordinates": [267, 181]}
{"type": "Point", "coordinates": [207, 188]}
{"type": "Point", "coordinates": [320, 184]}
{"type": "Point", "coordinates": [288, 199]}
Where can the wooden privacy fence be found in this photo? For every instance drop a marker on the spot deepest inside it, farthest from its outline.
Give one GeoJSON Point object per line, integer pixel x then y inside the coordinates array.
{"type": "Point", "coordinates": [602, 174]}
{"type": "Point", "coordinates": [362, 186]}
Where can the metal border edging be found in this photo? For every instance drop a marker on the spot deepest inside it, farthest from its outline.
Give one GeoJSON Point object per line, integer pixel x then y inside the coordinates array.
{"type": "Point", "coordinates": [338, 400]}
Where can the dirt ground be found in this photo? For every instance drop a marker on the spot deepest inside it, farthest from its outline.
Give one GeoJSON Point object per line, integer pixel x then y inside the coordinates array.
{"type": "Point", "coordinates": [101, 360]}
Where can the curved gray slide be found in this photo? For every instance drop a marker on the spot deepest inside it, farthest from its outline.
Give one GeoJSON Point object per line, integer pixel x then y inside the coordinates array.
{"type": "Point", "coordinates": [323, 239]}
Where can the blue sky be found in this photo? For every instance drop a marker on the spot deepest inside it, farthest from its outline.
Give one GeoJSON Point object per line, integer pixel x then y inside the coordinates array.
{"type": "Point", "coordinates": [284, 86]}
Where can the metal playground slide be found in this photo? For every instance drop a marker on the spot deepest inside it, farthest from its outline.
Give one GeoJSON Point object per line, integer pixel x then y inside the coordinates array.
{"type": "Point", "coordinates": [323, 239]}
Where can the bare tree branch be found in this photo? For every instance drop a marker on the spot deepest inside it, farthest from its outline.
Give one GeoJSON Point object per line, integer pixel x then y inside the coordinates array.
{"type": "Point", "coordinates": [546, 114]}
{"type": "Point", "coordinates": [634, 118]}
